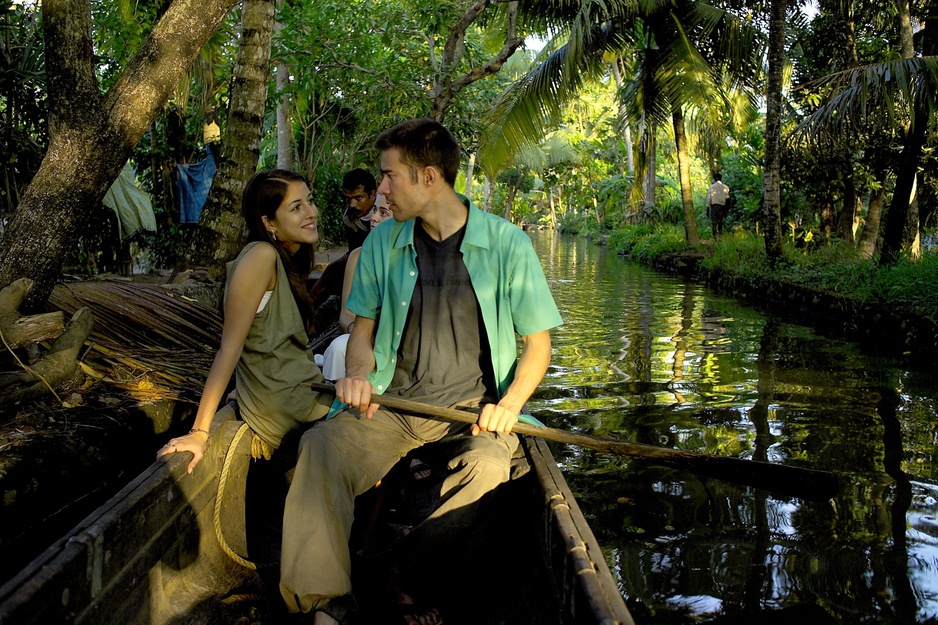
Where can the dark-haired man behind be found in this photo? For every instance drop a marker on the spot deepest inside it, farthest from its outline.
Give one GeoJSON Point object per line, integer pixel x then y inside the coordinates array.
{"type": "Point", "coordinates": [360, 190]}
{"type": "Point", "coordinates": [359, 186]}
{"type": "Point", "coordinates": [440, 293]}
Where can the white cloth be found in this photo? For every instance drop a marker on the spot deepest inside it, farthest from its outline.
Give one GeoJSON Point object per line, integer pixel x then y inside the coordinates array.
{"type": "Point", "coordinates": [130, 203]}
{"type": "Point", "coordinates": [717, 193]}
{"type": "Point", "coordinates": [333, 359]}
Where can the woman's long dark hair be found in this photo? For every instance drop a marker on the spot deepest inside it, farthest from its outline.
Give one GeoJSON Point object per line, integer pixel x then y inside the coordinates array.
{"type": "Point", "coordinates": [263, 195]}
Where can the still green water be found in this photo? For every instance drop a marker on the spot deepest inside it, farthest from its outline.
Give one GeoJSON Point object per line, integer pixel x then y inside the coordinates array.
{"type": "Point", "coordinates": [650, 358]}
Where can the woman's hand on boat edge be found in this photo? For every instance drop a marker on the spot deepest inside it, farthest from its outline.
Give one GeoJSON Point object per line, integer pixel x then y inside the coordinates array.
{"type": "Point", "coordinates": [356, 392]}
{"type": "Point", "coordinates": [194, 442]}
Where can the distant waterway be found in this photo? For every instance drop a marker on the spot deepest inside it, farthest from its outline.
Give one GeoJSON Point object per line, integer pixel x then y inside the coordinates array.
{"type": "Point", "coordinates": [650, 358]}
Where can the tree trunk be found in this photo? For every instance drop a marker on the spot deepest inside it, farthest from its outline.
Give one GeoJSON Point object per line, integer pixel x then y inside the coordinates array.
{"type": "Point", "coordinates": [284, 110]}
{"type": "Point", "coordinates": [773, 120]}
{"type": "Point", "coordinates": [512, 192]}
{"type": "Point", "coordinates": [553, 209]}
{"type": "Point", "coordinates": [651, 171]}
{"type": "Point", "coordinates": [623, 121]}
{"type": "Point", "coordinates": [221, 227]}
{"type": "Point", "coordinates": [487, 195]}
{"type": "Point", "coordinates": [683, 166]}
{"type": "Point", "coordinates": [469, 170]}
{"type": "Point", "coordinates": [898, 219]}
{"type": "Point", "coordinates": [867, 245]}
{"type": "Point", "coordinates": [91, 137]}
{"type": "Point", "coordinates": [848, 214]}
{"type": "Point", "coordinates": [906, 47]}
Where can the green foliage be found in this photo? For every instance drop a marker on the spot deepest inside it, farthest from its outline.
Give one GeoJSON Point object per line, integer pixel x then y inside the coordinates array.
{"type": "Point", "coordinates": [331, 202]}
{"type": "Point", "coordinates": [646, 242]}
{"type": "Point", "coordinates": [833, 268]}
{"type": "Point", "coordinates": [22, 100]}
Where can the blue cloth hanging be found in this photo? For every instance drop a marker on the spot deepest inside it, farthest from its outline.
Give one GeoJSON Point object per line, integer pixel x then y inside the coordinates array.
{"type": "Point", "coordinates": [193, 182]}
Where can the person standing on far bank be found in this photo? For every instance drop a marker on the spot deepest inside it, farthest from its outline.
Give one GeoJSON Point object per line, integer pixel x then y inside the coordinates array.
{"type": "Point", "coordinates": [717, 196]}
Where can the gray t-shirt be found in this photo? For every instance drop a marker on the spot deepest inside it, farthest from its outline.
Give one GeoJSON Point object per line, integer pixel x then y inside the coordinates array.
{"type": "Point", "coordinates": [444, 356]}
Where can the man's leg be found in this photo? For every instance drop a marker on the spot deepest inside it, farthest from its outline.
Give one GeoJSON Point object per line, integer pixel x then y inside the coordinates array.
{"type": "Point", "coordinates": [339, 459]}
{"type": "Point", "coordinates": [479, 464]}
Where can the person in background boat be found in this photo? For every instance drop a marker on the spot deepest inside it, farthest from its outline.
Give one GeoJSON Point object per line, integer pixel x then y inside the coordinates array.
{"type": "Point", "coordinates": [267, 311]}
{"type": "Point", "coordinates": [717, 196]}
{"type": "Point", "coordinates": [360, 191]}
{"type": "Point", "coordinates": [439, 295]}
{"type": "Point", "coordinates": [333, 366]}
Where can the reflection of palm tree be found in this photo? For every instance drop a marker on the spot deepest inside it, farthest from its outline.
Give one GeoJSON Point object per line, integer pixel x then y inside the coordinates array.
{"type": "Point", "coordinates": [897, 560]}
{"type": "Point", "coordinates": [680, 50]}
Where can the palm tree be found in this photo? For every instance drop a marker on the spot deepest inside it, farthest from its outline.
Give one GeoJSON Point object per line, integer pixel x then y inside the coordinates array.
{"type": "Point", "coordinates": [771, 174]}
{"type": "Point", "coordinates": [900, 94]}
{"type": "Point", "coordinates": [680, 47]}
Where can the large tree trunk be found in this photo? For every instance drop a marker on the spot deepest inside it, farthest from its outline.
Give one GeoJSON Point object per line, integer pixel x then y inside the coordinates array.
{"type": "Point", "coordinates": [221, 227]}
{"type": "Point", "coordinates": [284, 110]}
{"type": "Point", "coordinates": [683, 166]}
{"type": "Point", "coordinates": [900, 217]}
{"type": "Point", "coordinates": [90, 136]}
{"type": "Point", "coordinates": [773, 122]}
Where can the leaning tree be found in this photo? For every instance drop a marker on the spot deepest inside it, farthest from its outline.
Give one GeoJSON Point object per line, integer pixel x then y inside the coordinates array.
{"type": "Point", "coordinates": [91, 134]}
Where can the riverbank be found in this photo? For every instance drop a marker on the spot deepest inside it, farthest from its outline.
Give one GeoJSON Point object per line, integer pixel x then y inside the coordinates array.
{"type": "Point", "coordinates": [892, 311]}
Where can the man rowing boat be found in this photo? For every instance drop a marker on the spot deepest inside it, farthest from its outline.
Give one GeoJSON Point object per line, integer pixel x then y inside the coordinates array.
{"type": "Point", "coordinates": [440, 294]}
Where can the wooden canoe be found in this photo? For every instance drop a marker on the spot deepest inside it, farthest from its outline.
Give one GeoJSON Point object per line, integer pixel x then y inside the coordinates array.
{"type": "Point", "coordinates": [152, 554]}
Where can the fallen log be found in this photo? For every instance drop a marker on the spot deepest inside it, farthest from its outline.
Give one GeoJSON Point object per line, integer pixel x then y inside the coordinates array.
{"type": "Point", "coordinates": [19, 330]}
{"type": "Point", "coordinates": [56, 371]}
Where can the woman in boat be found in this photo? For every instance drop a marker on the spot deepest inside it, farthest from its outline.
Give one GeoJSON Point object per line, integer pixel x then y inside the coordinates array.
{"type": "Point", "coordinates": [333, 366]}
{"type": "Point", "coordinates": [267, 314]}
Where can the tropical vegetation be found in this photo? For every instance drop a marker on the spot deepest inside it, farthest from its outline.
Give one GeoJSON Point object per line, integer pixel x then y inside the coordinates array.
{"type": "Point", "coordinates": [586, 117]}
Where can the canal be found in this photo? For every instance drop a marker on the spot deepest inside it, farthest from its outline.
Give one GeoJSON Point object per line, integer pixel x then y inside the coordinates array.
{"type": "Point", "coordinates": [650, 358]}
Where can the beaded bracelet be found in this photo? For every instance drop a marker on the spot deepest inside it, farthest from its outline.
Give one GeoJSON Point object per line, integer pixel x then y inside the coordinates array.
{"type": "Point", "coordinates": [194, 430]}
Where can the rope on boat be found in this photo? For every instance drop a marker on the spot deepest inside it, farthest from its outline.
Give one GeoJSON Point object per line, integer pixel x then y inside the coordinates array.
{"type": "Point", "coordinates": [222, 482]}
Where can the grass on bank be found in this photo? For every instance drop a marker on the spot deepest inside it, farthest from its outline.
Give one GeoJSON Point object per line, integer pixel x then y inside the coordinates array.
{"type": "Point", "coordinates": [833, 267]}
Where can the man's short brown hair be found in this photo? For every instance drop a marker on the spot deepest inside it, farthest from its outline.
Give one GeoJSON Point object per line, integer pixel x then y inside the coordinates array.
{"type": "Point", "coordinates": [423, 143]}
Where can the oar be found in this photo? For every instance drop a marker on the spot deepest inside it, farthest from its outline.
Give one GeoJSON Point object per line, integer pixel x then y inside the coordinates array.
{"type": "Point", "coordinates": [810, 484]}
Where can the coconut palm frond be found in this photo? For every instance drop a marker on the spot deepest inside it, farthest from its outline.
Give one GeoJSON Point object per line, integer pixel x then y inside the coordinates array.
{"type": "Point", "coordinates": [685, 76]}
{"type": "Point", "coordinates": [530, 107]}
{"type": "Point", "coordinates": [735, 43]}
{"type": "Point", "coordinates": [885, 91]}
{"type": "Point", "coordinates": [543, 15]}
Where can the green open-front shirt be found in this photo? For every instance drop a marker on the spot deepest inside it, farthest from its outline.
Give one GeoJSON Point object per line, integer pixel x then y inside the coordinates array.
{"type": "Point", "coordinates": [506, 275]}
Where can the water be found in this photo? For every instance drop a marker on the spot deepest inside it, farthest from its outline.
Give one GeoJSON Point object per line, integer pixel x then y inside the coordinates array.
{"type": "Point", "coordinates": [650, 358]}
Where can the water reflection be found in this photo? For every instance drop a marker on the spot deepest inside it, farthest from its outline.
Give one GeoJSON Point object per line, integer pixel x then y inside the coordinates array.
{"type": "Point", "coordinates": [654, 359]}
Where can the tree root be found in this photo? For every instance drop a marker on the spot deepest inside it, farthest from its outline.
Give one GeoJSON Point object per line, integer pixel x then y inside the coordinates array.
{"type": "Point", "coordinates": [57, 369]}
{"type": "Point", "coordinates": [19, 331]}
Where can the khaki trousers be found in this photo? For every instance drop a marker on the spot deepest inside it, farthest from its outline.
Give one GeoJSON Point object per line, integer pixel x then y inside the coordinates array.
{"type": "Point", "coordinates": [342, 458]}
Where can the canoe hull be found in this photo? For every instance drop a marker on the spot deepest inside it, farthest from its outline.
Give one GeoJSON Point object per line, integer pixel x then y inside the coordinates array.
{"type": "Point", "coordinates": [161, 550]}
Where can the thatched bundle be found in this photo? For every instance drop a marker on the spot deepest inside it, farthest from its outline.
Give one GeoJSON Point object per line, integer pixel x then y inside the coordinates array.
{"type": "Point", "coordinates": [146, 339]}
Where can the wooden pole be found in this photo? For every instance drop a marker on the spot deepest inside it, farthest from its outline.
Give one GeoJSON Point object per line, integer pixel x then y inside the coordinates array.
{"type": "Point", "coordinates": [809, 484]}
